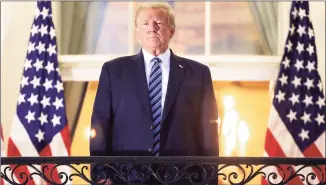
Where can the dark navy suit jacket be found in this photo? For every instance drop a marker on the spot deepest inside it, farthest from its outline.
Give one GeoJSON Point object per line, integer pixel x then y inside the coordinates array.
{"type": "Point", "coordinates": [122, 117]}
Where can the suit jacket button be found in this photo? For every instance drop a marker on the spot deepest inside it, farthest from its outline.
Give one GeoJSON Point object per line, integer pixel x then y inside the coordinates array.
{"type": "Point", "coordinates": [149, 150]}
{"type": "Point", "coordinates": [151, 127]}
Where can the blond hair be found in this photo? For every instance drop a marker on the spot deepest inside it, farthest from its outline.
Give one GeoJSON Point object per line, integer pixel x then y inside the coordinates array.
{"type": "Point", "coordinates": [160, 5]}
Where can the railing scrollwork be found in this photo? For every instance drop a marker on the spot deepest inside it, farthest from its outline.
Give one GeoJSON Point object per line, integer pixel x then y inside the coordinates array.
{"type": "Point", "coordinates": [164, 170]}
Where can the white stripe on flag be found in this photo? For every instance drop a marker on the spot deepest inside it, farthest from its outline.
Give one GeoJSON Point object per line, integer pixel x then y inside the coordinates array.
{"type": "Point", "coordinates": [287, 143]}
{"type": "Point", "coordinates": [283, 137]}
{"type": "Point", "coordinates": [20, 139]}
{"type": "Point", "coordinates": [320, 144]}
{"type": "Point", "coordinates": [3, 167]}
{"type": "Point", "coordinates": [271, 169]}
{"type": "Point", "coordinates": [58, 149]}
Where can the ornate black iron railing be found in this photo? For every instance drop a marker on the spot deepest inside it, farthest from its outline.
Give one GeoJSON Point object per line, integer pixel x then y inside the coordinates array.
{"type": "Point", "coordinates": [165, 170]}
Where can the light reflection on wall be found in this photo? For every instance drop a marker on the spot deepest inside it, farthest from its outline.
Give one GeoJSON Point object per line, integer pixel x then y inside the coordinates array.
{"type": "Point", "coordinates": [233, 130]}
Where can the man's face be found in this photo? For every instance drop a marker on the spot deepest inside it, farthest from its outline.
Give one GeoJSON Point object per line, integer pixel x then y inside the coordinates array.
{"type": "Point", "coordinates": [153, 28]}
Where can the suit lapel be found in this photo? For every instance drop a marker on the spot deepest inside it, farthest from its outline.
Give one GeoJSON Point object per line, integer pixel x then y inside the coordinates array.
{"type": "Point", "coordinates": [138, 77]}
{"type": "Point", "coordinates": [177, 72]}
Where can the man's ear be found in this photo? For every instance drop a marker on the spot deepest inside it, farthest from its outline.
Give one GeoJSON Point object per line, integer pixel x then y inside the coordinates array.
{"type": "Point", "coordinates": [172, 32]}
{"type": "Point", "coordinates": [137, 35]}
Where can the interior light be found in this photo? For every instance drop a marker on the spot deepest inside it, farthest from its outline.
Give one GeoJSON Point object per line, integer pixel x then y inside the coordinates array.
{"type": "Point", "coordinates": [228, 102]}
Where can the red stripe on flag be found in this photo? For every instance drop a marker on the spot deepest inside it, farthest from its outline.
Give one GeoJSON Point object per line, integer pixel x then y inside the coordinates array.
{"type": "Point", "coordinates": [1, 132]}
{"type": "Point", "coordinates": [66, 138]}
{"type": "Point", "coordinates": [274, 150]}
{"type": "Point", "coordinates": [313, 151]}
{"type": "Point", "coordinates": [264, 181]}
{"type": "Point", "coordinates": [50, 171]}
{"type": "Point", "coordinates": [2, 152]}
{"type": "Point", "coordinates": [13, 151]}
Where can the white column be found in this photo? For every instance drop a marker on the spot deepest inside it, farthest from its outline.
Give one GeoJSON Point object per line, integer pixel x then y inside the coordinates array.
{"type": "Point", "coordinates": [317, 15]}
{"type": "Point", "coordinates": [56, 17]}
{"type": "Point", "coordinates": [131, 27]}
{"type": "Point", "coordinates": [14, 50]}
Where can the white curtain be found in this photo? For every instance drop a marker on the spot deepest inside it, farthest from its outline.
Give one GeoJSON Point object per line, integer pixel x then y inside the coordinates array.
{"type": "Point", "coordinates": [265, 17]}
{"type": "Point", "coordinates": [80, 27]}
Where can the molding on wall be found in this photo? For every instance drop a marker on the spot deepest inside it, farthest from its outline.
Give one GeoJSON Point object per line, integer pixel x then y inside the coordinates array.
{"type": "Point", "coordinates": [223, 67]}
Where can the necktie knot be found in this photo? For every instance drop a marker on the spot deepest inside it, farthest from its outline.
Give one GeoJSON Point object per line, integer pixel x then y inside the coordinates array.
{"type": "Point", "coordinates": [156, 60]}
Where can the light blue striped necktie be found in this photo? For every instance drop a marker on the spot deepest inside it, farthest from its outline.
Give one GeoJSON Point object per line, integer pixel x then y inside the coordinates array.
{"type": "Point", "coordinates": [155, 97]}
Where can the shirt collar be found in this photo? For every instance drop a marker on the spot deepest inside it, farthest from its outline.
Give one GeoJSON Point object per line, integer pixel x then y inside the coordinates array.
{"type": "Point", "coordinates": [165, 57]}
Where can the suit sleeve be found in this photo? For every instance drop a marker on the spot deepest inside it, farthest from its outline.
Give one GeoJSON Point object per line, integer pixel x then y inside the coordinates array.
{"type": "Point", "coordinates": [101, 120]}
{"type": "Point", "coordinates": [208, 136]}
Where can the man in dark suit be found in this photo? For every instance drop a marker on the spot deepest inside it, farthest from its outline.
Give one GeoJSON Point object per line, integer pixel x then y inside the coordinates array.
{"type": "Point", "coordinates": [154, 103]}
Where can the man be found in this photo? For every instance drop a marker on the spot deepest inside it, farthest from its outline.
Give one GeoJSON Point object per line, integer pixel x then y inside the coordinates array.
{"type": "Point", "coordinates": [154, 103]}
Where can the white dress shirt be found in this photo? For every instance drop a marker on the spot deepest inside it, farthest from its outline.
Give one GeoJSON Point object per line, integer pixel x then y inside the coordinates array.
{"type": "Point", "coordinates": [165, 65]}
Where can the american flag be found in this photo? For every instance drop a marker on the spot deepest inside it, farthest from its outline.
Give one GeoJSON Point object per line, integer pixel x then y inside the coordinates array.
{"type": "Point", "coordinates": [296, 126]}
{"type": "Point", "coordinates": [40, 125]}
{"type": "Point", "coordinates": [3, 154]}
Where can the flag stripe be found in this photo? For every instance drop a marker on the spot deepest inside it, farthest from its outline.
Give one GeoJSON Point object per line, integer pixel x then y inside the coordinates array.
{"type": "Point", "coordinates": [320, 144]}
{"type": "Point", "coordinates": [274, 149]}
{"type": "Point", "coordinates": [283, 138]}
{"type": "Point", "coordinates": [313, 151]}
{"type": "Point", "coordinates": [22, 169]}
{"type": "Point", "coordinates": [281, 141]}
{"type": "Point", "coordinates": [19, 146]}
{"type": "Point", "coordinates": [269, 170]}
{"type": "Point", "coordinates": [49, 167]}
{"type": "Point", "coordinates": [2, 153]}
{"type": "Point", "coordinates": [264, 181]}
{"type": "Point", "coordinates": [20, 140]}
{"type": "Point", "coordinates": [58, 148]}
{"type": "Point", "coordinates": [66, 140]}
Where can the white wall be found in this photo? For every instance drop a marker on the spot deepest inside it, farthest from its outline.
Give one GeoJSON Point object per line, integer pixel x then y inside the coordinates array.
{"type": "Point", "coordinates": [5, 20]}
